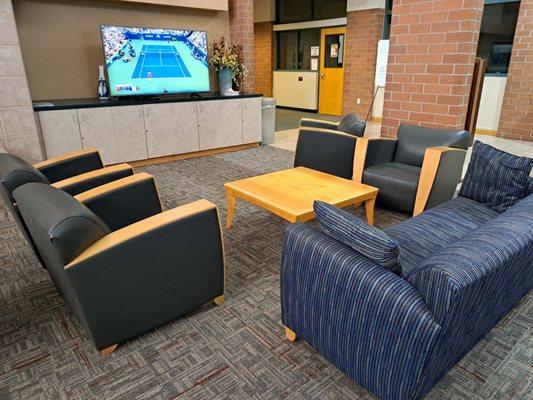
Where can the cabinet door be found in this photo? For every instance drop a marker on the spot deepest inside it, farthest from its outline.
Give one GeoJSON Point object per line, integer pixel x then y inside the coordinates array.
{"type": "Point", "coordinates": [96, 127]}
{"type": "Point", "coordinates": [130, 136]}
{"type": "Point", "coordinates": [171, 128]}
{"type": "Point", "coordinates": [220, 123]}
{"type": "Point", "coordinates": [61, 131]}
{"type": "Point", "coordinates": [251, 120]}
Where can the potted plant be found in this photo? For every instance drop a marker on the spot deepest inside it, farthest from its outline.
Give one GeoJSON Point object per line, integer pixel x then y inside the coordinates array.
{"type": "Point", "coordinates": [226, 60]}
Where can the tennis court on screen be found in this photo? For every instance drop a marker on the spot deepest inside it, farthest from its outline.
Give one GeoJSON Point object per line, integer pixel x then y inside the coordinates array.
{"type": "Point", "coordinates": [160, 61]}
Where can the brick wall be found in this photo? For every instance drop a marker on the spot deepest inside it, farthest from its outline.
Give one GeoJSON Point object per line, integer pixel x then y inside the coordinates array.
{"type": "Point", "coordinates": [263, 57]}
{"type": "Point", "coordinates": [363, 31]}
{"type": "Point", "coordinates": [431, 59]}
{"type": "Point", "coordinates": [18, 130]}
{"type": "Point", "coordinates": [516, 118]}
{"type": "Point", "coordinates": [241, 25]}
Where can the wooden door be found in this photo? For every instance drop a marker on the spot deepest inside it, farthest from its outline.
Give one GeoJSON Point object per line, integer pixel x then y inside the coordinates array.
{"type": "Point", "coordinates": [220, 123]}
{"type": "Point", "coordinates": [60, 131]}
{"type": "Point", "coordinates": [251, 120]}
{"type": "Point", "coordinates": [171, 128]}
{"type": "Point", "coordinates": [331, 70]}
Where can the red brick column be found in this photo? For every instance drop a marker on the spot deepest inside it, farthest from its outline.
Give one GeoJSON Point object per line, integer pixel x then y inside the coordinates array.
{"type": "Point", "coordinates": [516, 118]}
{"type": "Point", "coordinates": [432, 52]}
{"type": "Point", "coordinates": [363, 31]}
{"type": "Point", "coordinates": [263, 57]}
{"type": "Point", "coordinates": [241, 25]}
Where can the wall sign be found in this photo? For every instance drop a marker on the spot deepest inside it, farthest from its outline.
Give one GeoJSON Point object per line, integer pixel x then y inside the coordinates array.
{"type": "Point", "coordinates": [381, 63]}
{"type": "Point", "coordinates": [315, 51]}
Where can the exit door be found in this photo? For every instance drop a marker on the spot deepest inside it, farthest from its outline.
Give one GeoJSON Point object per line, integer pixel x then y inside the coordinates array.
{"type": "Point", "coordinates": [331, 70]}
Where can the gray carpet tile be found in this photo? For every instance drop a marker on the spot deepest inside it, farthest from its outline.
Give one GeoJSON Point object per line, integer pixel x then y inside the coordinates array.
{"type": "Point", "coordinates": [234, 351]}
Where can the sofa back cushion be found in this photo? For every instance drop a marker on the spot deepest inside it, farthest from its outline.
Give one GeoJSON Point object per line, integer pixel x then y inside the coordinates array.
{"type": "Point", "coordinates": [326, 151]}
{"type": "Point", "coordinates": [490, 262]}
{"type": "Point", "coordinates": [352, 124]}
{"type": "Point", "coordinates": [371, 242]}
{"type": "Point", "coordinates": [15, 172]}
{"type": "Point", "coordinates": [414, 140]}
{"type": "Point", "coordinates": [61, 226]}
{"type": "Point", "coordinates": [496, 178]}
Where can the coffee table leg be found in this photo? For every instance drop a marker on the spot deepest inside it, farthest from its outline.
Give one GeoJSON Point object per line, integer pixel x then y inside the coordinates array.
{"type": "Point", "coordinates": [369, 209]}
{"type": "Point", "coordinates": [231, 210]}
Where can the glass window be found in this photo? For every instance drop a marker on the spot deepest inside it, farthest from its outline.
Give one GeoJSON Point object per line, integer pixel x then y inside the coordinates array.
{"type": "Point", "coordinates": [334, 51]}
{"type": "Point", "coordinates": [308, 38]}
{"type": "Point", "coordinates": [496, 35]}
{"type": "Point", "coordinates": [294, 48]}
{"type": "Point", "coordinates": [324, 9]}
{"type": "Point", "coordinates": [387, 20]}
{"type": "Point", "coordinates": [288, 50]}
{"type": "Point", "coordinates": [294, 10]}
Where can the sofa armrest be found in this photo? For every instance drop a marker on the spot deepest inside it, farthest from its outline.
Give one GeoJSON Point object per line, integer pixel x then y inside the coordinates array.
{"type": "Point", "coordinates": [439, 177]}
{"type": "Point", "coordinates": [370, 152]}
{"type": "Point", "coordinates": [70, 164]}
{"type": "Point", "coordinates": [149, 273]}
{"type": "Point", "coordinates": [318, 123]}
{"type": "Point", "coordinates": [89, 180]}
{"type": "Point", "coordinates": [124, 201]}
{"type": "Point", "coordinates": [325, 150]}
{"type": "Point", "coordinates": [354, 312]}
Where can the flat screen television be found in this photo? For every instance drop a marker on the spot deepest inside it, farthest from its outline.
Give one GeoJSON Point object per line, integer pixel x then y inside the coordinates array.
{"type": "Point", "coordinates": [153, 61]}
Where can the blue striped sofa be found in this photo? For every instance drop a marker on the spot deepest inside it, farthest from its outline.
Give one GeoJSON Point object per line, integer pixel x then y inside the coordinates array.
{"type": "Point", "coordinates": [464, 266]}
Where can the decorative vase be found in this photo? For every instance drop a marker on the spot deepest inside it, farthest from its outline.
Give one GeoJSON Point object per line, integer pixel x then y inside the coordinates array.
{"type": "Point", "coordinates": [225, 80]}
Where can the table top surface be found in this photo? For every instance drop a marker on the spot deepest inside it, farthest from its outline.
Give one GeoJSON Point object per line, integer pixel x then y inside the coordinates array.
{"type": "Point", "coordinates": [290, 193]}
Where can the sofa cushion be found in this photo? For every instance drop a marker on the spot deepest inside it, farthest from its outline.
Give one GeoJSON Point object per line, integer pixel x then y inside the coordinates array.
{"type": "Point", "coordinates": [61, 226]}
{"type": "Point", "coordinates": [15, 172]}
{"type": "Point", "coordinates": [352, 124]}
{"type": "Point", "coordinates": [397, 184]}
{"type": "Point", "coordinates": [371, 242]}
{"type": "Point", "coordinates": [414, 140]}
{"type": "Point", "coordinates": [496, 178]}
{"type": "Point", "coordinates": [427, 233]}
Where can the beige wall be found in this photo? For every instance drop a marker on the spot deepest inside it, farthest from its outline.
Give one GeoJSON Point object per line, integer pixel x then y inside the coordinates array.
{"type": "Point", "coordinates": [289, 91]}
{"type": "Point", "coordinates": [60, 39]}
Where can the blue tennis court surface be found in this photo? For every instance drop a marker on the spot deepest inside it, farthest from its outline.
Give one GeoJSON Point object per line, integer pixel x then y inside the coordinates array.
{"type": "Point", "coordinates": [161, 61]}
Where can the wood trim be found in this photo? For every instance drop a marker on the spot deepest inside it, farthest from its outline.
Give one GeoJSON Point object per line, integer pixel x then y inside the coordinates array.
{"type": "Point", "coordinates": [321, 121]}
{"type": "Point", "coordinates": [89, 175]}
{"type": "Point", "coordinates": [111, 186]}
{"type": "Point", "coordinates": [108, 350]}
{"type": "Point", "coordinates": [488, 132]}
{"type": "Point", "coordinates": [359, 156]}
{"type": "Point", "coordinates": [194, 154]}
{"type": "Point", "coordinates": [430, 167]}
{"type": "Point", "coordinates": [290, 334]}
{"type": "Point", "coordinates": [139, 228]}
{"type": "Point", "coordinates": [65, 157]}
{"type": "Point", "coordinates": [376, 119]}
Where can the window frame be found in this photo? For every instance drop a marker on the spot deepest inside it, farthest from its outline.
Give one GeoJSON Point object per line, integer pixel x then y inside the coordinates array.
{"type": "Point", "coordinates": [313, 17]}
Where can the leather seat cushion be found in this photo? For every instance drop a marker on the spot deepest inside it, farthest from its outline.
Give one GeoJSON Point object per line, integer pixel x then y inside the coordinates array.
{"type": "Point", "coordinates": [397, 184]}
{"type": "Point", "coordinates": [60, 224]}
{"type": "Point", "coordinates": [414, 140]}
{"type": "Point", "coordinates": [15, 172]}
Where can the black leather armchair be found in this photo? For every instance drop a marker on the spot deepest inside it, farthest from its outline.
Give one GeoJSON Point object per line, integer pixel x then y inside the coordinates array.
{"type": "Point", "coordinates": [123, 266]}
{"type": "Point", "coordinates": [350, 123]}
{"type": "Point", "coordinates": [418, 170]}
{"type": "Point", "coordinates": [73, 172]}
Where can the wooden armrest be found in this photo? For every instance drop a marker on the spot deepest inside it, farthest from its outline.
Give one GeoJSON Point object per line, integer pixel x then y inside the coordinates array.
{"type": "Point", "coordinates": [142, 227]}
{"type": "Point", "coordinates": [91, 175]}
{"type": "Point", "coordinates": [430, 167]}
{"type": "Point", "coordinates": [359, 161]}
{"type": "Point", "coordinates": [318, 123]}
{"type": "Point", "coordinates": [65, 157]}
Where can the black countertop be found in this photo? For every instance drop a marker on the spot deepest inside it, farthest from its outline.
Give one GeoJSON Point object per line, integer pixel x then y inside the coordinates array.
{"type": "Point", "coordinates": [66, 104]}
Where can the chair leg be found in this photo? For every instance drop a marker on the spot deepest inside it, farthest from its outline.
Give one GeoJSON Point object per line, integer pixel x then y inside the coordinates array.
{"type": "Point", "coordinates": [291, 335]}
{"type": "Point", "coordinates": [108, 350]}
{"type": "Point", "coordinates": [219, 300]}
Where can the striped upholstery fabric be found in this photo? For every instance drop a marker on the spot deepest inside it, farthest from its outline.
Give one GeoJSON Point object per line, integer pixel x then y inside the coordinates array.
{"type": "Point", "coordinates": [495, 178]}
{"type": "Point", "coordinates": [359, 235]}
{"type": "Point", "coordinates": [436, 228]}
{"type": "Point", "coordinates": [397, 337]}
{"type": "Point", "coordinates": [529, 187]}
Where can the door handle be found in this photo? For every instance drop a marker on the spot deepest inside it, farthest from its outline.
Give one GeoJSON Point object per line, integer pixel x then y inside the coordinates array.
{"type": "Point", "coordinates": [322, 76]}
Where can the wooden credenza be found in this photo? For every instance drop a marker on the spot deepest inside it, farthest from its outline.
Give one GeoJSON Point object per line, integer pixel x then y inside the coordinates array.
{"type": "Point", "coordinates": [133, 132]}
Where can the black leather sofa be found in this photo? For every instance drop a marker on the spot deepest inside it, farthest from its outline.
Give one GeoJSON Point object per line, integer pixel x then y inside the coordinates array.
{"type": "Point", "coordinates": [73, 172]}
{"type": "Point", "coordinates": [122, 265]}
{"type": "Point", "coordinates": [351, 123]}
{"type": "Point", "coordinates": [418, 170]}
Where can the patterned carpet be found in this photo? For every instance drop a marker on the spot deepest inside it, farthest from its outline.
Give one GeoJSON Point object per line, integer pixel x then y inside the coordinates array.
{"type": "Point", "coordinates": [235, 351]}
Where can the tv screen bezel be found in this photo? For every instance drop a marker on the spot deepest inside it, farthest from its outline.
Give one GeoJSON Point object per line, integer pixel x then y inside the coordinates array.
{"type": "Point", "coordinates": [108, 81]}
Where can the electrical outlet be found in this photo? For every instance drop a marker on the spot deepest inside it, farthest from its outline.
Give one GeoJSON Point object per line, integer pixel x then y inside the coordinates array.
{"type": "Point", "coordinates": [358, 100]}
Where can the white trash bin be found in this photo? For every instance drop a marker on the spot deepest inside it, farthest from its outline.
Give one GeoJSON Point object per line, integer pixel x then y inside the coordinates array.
{"type": "Point", "coordinates": [268, 117]}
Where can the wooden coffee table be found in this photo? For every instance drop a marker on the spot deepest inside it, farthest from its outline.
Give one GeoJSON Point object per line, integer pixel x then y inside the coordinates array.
{"type": "Point", "coordinates": [290, 193]}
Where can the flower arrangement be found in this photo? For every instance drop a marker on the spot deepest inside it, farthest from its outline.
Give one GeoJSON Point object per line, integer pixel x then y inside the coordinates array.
{"type": "Point", "coordinates": [227, 55]}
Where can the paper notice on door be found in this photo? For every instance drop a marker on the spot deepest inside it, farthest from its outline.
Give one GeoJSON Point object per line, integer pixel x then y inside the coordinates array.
{"type": "Point", "coordinates": [334, 50]}
{"type": "Point", "coordinates": [315, 51]}
{"type": "Point", "coordinates": [314, 64]}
